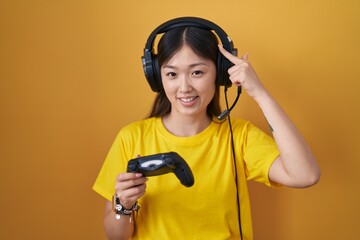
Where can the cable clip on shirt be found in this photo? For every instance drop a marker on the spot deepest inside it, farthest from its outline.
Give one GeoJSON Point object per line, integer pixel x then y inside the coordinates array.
{"type": "Point", "coordinates": [120, 210]}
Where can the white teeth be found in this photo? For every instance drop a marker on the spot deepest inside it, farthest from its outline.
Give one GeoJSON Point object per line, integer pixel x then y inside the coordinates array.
{"type": "Point", "coordinates": [187, 100]}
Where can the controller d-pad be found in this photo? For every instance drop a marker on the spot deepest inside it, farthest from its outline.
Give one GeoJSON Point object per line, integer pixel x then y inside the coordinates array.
{"type": "Point", "coordinates": [169, 161]}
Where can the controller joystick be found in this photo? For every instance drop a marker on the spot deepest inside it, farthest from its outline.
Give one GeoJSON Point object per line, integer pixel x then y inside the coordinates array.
{"type": "Point", "coordinates": [158, 164]}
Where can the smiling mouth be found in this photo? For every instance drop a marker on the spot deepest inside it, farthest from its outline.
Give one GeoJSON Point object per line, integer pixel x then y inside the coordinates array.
{"type": "Point", "coordinates": [187, 99]}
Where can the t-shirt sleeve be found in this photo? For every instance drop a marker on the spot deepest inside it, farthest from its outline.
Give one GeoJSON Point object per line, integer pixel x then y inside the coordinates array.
{"type": "Point", "coordinates": [113, 165]}
{"type": "Point", "coordinates": [259, 152]}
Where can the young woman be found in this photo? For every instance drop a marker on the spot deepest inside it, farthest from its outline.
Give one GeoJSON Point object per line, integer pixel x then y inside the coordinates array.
{"type": "Point", "coordinates": [183, 120]}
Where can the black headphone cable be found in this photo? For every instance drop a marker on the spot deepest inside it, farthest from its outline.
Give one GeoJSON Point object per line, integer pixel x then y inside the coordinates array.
{"type": "Point", "coordinates": [227, 111]}
{"type": "Point", "coordinates": [224, 114]}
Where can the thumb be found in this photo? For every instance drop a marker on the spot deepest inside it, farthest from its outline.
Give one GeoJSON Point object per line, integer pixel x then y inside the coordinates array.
{"type": "Point", "coordinates": [245, 57]}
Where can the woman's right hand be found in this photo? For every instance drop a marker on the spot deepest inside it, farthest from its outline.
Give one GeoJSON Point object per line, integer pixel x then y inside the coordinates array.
{"type": "Point", "coordinates": [130, 187]}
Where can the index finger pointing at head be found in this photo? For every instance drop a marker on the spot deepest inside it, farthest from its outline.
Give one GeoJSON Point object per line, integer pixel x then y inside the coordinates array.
{"type": "Point", "coordinates": [229, 56]}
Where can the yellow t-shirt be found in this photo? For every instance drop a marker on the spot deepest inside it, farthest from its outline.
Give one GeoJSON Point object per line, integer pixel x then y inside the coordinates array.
{"type": "Point", "coordinates": [208, 209]}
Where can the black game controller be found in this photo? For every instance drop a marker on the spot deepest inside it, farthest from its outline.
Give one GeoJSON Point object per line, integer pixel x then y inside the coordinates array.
{"type": "Point", "coordinates": [163, 163]}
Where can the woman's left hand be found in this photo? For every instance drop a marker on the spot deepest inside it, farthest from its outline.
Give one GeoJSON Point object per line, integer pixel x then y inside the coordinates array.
{"type": "Point", "coordinates": [243, 74]}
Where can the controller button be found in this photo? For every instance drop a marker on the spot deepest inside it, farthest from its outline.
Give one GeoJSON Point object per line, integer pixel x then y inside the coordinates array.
{"type": "Point", "coordinates": [152, 166]}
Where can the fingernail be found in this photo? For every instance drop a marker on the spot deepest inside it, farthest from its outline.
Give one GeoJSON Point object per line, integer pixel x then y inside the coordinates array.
{"type": "Point", "coordinates": [138, 174]}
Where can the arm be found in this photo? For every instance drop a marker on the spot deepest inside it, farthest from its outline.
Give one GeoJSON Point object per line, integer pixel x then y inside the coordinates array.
{"type": "Point", "coordinates": [129, 187]}
{"type": "Point", "coordinates": [296, 165]}
{"type": "Point", "coordinates": [117, 229]}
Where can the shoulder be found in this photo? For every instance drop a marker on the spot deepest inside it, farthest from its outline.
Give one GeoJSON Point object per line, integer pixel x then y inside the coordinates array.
{"type": "Point", "coordinates": [245, 126]}
{"type": "Point", "coordinates": [241, 128]}
{"type": "Point", "coordinates": [139, 124]}
{"type": "Point", "coordinates": [237, 124]}
{"type": "Point", "coordinates": [240, 123]}
{"type": "Point", "coordinates": [138, 127]}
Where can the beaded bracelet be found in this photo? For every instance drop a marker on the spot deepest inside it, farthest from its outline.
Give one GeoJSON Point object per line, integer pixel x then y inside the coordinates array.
{"type": "Point", "coordinates": [121, 210]}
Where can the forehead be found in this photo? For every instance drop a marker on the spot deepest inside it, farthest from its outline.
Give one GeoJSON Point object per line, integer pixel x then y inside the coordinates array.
{"type": "Point", "coordinates": [186, 55]}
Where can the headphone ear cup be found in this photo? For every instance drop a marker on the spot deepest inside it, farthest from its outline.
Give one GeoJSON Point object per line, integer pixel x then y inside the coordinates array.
{"type": "Point", "coordinates": [223, 77]}
{"type": "Point", "coordinates": [223, 66]}
{"type": "Point", "coordinates": [148, 69]}
{"type": "Point", "coordinates": [219, 70]}
{"type": "Point", "coordinates": [157, 74]}
{"type": "Point", "coordinates": [152, 71]}
{"type": "Point", "coordinates": [226, 77]}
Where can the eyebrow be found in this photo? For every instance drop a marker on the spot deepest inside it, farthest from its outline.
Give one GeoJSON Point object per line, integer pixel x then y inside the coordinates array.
{"type": "Point", "coordinates": [191, 65]}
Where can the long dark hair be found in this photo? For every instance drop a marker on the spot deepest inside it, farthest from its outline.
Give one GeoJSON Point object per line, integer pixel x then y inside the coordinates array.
{"type": "Point", "coordinates": [201, 41]}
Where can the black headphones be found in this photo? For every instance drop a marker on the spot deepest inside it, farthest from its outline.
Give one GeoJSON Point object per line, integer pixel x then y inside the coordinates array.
{"type": "Point", "coordinates": [149, 59]}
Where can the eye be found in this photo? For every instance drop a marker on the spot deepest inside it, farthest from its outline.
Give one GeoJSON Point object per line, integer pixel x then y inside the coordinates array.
{"type": "Point", "coordinates": [197, 73]}
{"type": "Point", "coordinates": [171, 74]}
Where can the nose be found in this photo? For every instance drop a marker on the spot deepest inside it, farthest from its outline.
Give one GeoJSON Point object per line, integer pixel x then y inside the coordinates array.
{"type": "Point", "coordinates": [185, 84]}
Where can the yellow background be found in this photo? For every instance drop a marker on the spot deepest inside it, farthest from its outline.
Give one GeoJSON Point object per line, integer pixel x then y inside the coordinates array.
{"type": "Point", "coordinates": [71, 76]}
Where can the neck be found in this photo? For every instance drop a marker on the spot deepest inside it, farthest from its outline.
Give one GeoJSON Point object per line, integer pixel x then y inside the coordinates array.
{"type": "Point", "coordinates": [185, 126]}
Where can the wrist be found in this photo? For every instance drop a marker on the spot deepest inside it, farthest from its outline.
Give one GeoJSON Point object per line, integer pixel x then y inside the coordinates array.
{"type": "Point", "coordinates": [119, 209]}
{"type": "Point", "coordinates": [263, 98]}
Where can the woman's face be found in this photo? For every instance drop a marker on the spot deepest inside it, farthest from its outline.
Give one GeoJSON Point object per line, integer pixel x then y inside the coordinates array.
{"type": "Point", "coordinates": [189, 82]}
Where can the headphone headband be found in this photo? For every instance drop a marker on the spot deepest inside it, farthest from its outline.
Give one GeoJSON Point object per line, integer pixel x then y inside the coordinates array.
{"type": "Point", "coordinates": [190, 22]}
